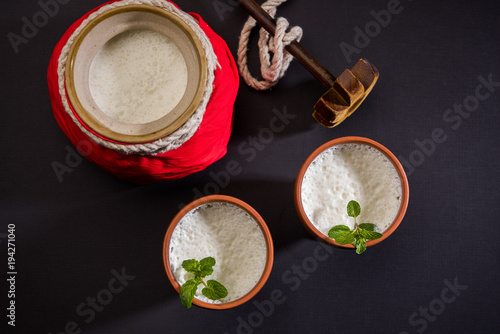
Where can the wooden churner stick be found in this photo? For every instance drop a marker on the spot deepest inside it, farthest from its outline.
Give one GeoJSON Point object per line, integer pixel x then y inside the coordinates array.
{"type": "Point", "coordinates": [344, 94]}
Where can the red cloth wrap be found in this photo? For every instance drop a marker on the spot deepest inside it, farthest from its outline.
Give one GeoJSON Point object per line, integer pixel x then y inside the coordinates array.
{"type": "Point", "coordinates": [207, 145]}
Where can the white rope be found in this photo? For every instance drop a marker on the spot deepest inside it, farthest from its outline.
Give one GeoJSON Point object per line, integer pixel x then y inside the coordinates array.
{"type": "Point", "coordinates": [273, 71]}
{"type": "Point", "coordinates": [187, 130]}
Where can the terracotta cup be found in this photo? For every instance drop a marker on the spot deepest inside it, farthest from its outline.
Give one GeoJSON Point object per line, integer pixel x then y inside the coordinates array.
{"type": "Point", "coordinates": [110, 24]}
{"type": "Point", "coordinates": [356, 140]}
{"type": "Point", "coordinates": [258, 219]}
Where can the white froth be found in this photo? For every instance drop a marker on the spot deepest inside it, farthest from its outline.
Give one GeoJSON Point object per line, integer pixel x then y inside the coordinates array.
{"type": "Point", "coordinates": [351, 172]}
{"type": "Point", "coordinates": [229, 235]}
{"type": "Point", "coordinates": [138, 76]}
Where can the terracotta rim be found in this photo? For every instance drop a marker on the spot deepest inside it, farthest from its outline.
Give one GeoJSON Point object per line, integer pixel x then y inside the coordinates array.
{"type": "Point", "coordinates": [357, 140]}
{"type": "Point", "coordinates": [90, 121]}
{"type": "Point", "coordinates": [265, 231]}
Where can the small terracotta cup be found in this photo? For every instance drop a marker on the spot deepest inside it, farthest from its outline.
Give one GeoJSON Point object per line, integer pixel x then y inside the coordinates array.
{"type": "Point", "coordinates": [356, 140]}
{"type": "Point", "coordinates": [102, 29]}
{"type": "Point", "coordinates": [258, 219]}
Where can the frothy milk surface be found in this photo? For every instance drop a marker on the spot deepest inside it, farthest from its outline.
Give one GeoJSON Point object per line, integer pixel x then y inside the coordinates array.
{"type": "Point", "coordinates": [229, 235]}
{"type": "Point", "coordinates": [138, 76]}
{"type": "Point", "coordinates": [351, 172]}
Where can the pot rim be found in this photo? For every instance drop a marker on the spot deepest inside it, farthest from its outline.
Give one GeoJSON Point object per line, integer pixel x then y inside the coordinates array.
{"type": "Point", "coordinates": [168, 125]}
{"type": "Point", "coordinates": [258, 219]}
{"type": "Point", "coordinates": [356, 140]}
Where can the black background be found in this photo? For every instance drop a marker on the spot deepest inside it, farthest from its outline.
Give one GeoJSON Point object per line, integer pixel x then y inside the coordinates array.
{"type": "Point", "coordinates": [70, 235]}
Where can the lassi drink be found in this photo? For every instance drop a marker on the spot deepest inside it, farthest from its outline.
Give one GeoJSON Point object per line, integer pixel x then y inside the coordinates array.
{"type": "Point", "coordinates": [346, 172]}
{"type": "Point", "coordinates": [138, 76]}
{"type": "Point", "coordinates": [231, 236]}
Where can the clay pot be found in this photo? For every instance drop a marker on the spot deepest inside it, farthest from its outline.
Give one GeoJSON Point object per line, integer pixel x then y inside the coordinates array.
{"type": "Point", "coordinates": [258, 219]}
{"type": "Point", "coordinates": [356, 140]}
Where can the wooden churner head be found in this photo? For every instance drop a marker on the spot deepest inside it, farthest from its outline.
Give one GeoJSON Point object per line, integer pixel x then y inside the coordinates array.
{"type": "Point", "coordinates": [346, 94]}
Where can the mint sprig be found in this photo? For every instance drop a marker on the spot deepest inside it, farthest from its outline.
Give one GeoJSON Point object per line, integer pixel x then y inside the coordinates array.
{"type": "Point", "coordinates": [213, 289]}
{"type": "Point", "coordinates": [358, 236]}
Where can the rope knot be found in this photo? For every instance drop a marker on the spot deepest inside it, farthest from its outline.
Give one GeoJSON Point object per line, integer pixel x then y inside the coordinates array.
{"type": "Point", "coordinates": [271, 70]}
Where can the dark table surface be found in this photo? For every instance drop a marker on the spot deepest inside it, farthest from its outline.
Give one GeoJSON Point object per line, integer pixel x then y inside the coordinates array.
{"type": "Point", "coordinates": [438, 273]}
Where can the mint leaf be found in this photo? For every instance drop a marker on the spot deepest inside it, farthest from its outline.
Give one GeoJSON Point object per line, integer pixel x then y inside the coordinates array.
{"type": "Point", "coordinates": [369, 235]}
{"type": "Point", "coordinates": [360, 245]}
{"type": "Point", "coordinates": [206, 271]}
{"type": "Point", "coordinates": [358, 235]}
{"type": "Point", "coordinates": [353, 209]}
{"type": "Point", "coordinates": [338, 230]}
{"type": "Point", "coordinates": [214, 290]}
{"type": "Point", "coordinates": [367, 226]}
{"type": "Point", "coordinates": [206, 266]}
{"type": "Point", "coordinates": [346, 237]}
{"type": "Point", "coordinates": [208, 261]}
{"type": "Point", "coordinates": [188, 291]}
{"type": "Point", "coordinates": [191, 266]}
{"type": "Point", "coordinates": [356, 240]}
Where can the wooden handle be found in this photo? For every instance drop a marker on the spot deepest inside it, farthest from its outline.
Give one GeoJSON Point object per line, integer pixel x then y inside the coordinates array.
{"type": "Point", "coordinates": [295, 48]}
